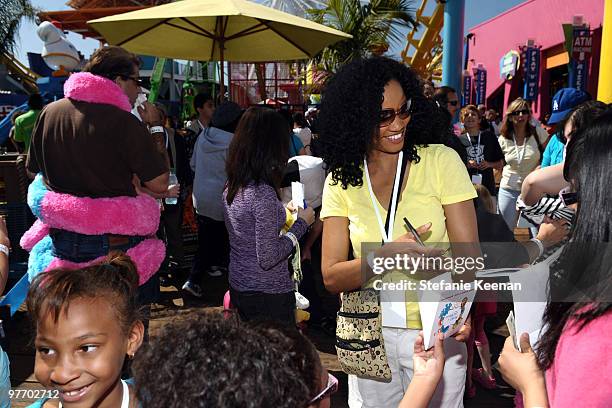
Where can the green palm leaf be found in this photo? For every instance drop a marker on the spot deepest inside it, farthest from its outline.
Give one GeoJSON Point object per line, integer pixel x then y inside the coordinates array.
{"type": "Point", "coordinates": [12, 13]}
{"type": "Point", "coordinates": [375, 26]}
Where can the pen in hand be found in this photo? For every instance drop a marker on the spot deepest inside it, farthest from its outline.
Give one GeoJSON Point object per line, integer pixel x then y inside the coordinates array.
{"type": "Point", "coordinates": [413, 231]}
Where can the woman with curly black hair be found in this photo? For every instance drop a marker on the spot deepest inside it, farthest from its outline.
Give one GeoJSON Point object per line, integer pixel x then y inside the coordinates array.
{"type": "Point", "coordinates": [377, 128]}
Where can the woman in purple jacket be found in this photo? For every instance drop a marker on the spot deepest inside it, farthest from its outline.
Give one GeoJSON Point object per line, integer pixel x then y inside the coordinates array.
{"type": "Point", "coordinates": [261, 285]}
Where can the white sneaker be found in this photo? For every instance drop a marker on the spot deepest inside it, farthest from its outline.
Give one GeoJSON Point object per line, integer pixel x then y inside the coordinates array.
{"type": "Point", "coordinates": [301, 302]}
{"type": "Point", "coordinates": [193, 288]}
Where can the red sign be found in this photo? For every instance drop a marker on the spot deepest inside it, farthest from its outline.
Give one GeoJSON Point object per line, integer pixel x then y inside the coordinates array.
{"type": "Point", "coordinates": [583, 44]}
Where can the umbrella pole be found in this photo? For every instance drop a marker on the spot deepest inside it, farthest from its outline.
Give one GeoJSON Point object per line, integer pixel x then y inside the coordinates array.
{"type": "Point", "coordinates": [222, 86]}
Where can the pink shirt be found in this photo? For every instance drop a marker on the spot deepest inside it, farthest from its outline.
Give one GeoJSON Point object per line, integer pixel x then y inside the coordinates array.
{"type": "Point", "coordinates": [581, 375]}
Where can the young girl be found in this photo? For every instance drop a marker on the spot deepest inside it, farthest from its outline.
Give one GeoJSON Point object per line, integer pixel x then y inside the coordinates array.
{"type": "Point", "coordinates": [260, 283]}
{"type": "Point", "coordinates": [87, 323]}
{"type": "Point", "coordinates": [571, 365]}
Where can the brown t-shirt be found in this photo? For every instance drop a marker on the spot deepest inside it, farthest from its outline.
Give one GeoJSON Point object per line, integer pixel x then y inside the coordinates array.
{"type": "Point", "coordinates": [92, 150]}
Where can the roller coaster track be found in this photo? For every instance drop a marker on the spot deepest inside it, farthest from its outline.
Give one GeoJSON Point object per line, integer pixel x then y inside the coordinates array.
{"type": "Point", "coordinates": [17, 69]}
{"type": "Point", "coordinates": [424, 54]}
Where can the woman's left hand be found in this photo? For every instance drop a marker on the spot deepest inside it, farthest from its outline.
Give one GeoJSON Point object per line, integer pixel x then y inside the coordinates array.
{"type": "Point", "coordinates": [520, 369]}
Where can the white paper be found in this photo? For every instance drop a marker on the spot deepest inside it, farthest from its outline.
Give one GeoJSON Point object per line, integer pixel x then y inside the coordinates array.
{"type": "Point", "coordinates": [448, 313]}
{"type": "Point", "coordinates": [528, 310]}
{"type": "Point", "coordinates": [297, 194]}
{"type": "Point", "coordinates": [477, 179]}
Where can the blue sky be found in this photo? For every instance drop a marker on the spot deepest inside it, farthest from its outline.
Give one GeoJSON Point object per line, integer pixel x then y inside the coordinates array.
{"type": "Point", "coordinates": [476, 11]}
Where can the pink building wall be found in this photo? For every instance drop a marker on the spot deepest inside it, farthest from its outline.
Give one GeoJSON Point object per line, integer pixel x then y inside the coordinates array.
{"type": "Point", "coordinates": [537, 19]}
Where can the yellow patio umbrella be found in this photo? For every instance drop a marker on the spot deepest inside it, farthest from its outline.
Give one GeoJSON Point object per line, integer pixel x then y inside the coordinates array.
{"type": "Point", "coordinates": [217, 30]}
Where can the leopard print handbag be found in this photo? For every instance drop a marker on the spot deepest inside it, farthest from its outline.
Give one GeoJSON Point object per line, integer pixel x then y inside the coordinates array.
{"type": "Point", "coordinates": [359, 341]}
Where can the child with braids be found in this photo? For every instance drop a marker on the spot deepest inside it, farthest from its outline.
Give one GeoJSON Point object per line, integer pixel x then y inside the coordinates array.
{"type": "Point", "coordinates": [87, 322]}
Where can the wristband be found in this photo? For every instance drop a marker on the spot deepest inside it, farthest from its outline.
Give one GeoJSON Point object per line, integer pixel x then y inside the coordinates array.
{"type": "Point", "coordinates": [539, 244]}
{"type": "Point", "coordinates": [4, 249]}
{"type": "Point", "coordinates": [156, 129]}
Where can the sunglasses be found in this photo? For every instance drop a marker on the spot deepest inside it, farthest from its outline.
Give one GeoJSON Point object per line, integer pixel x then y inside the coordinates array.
{"type": "Point", "coordinates": [453, 103]}
{"type": "Point", "coordinates": [519, 112]}
{"type": "Point", "coordinates": [387, 116]}
{"type": "Point", "coordinates": [568, 197]}
{"type": "Point", "coordinates": [137, 81]}
{"type": "Point", "coordinates": [332, 386]}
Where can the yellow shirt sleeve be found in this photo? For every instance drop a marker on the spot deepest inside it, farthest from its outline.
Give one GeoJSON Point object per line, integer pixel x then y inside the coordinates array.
{"type": "Point", "coordinates": [453, 181]}
{"type": "Point", "coordinates": [334, 200]}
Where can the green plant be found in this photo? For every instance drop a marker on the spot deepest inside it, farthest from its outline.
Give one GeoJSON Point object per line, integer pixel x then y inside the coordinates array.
{"type": "Point", "coordinates": [11, 14]}
{"type": "Point", "coordinates": [375, 26]}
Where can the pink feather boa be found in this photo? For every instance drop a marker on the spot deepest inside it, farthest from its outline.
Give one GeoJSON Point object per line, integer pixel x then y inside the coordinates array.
{"type": "Point", "coordinates": [95, 216]}
{"type": "Point", "coordinates": [87, 87]}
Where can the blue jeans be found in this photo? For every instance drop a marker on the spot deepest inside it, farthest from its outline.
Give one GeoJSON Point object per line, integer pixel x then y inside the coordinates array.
{"type": "Point", "coordinates": [506, 203]}
{"type": "Point", "coordinates": [77, 247]}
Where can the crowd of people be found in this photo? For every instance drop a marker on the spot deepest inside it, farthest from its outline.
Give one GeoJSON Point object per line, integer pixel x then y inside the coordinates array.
{"type": "Point", "coordinates": [116, 182]}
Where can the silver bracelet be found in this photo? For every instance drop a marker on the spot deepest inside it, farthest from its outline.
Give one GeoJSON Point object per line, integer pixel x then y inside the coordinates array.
{"type": "Point", "coordinates": [156, 129]}
{"type": "Point", "coordinates": [4, 249]}
{"type": "Point", "coordinates": [539, 244]}
{"type": "Point", "coordinates": [293, 238]}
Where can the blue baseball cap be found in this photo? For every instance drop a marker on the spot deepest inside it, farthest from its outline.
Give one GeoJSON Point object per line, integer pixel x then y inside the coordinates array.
{"type": "Point", "coordinates": [564, 101]}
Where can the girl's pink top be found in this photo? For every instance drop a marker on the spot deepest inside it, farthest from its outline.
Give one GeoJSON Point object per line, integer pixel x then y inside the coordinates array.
{"type": "Point", "coordinates": [581, 375]}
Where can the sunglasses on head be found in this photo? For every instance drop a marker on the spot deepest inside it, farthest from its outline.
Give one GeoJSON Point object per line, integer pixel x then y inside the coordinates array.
{"type": "Point", "coordinates": [387, 116]}
{"type": "Point", "coordinates": [332, 386]}
{"type": "Point", "coordinates": [519, 112]}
